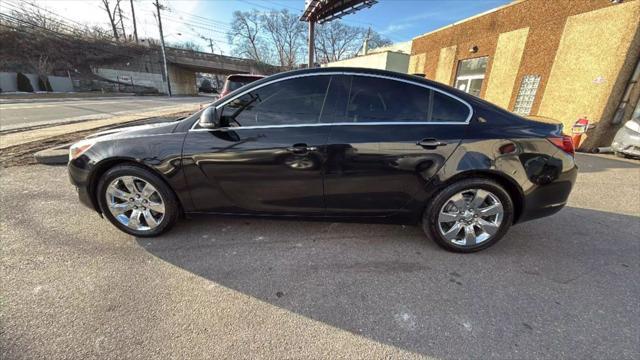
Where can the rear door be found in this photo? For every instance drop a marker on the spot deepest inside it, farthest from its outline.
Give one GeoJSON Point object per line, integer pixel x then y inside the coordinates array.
{"type": "Point", "coordinates": [388, 138]}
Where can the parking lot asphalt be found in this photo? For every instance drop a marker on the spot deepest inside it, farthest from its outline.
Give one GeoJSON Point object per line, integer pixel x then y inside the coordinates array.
{"type": "Point", "coordinates": [73, 286]}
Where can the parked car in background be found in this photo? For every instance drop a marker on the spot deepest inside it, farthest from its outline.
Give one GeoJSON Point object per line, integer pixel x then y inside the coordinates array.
{"type": "Point", "coordinates": [234, 82]}
{"type": "Point", "coordinates": [627, 139]}
{"type": "Point", "coordinates": [335, 143]}
{"type": "Point", "coordinates": [206, 87]}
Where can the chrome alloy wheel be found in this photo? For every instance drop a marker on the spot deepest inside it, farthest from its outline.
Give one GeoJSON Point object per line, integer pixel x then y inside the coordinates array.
{"type": "Point", "coordinates": [135, 203]}
{"type": "Point", "coordinates": [470, 217]}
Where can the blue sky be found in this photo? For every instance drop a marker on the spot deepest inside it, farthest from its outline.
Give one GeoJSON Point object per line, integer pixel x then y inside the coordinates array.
{"type": "Point", "coordinates": [399, 20]}
{"type": "Point", "coordinates": [191, 20]}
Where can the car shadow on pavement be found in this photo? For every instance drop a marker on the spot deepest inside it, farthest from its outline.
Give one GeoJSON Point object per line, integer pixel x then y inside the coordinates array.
{"type": "Point", "coordinates": [528, 293]}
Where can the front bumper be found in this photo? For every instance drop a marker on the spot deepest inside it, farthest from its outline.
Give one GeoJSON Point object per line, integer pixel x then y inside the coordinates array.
{"type": "Point", "coordinates": [80, 178]}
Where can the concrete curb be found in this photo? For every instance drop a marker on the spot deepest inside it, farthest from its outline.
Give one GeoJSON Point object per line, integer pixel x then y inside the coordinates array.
{"type": "Point", "coordinates": [58, 155]}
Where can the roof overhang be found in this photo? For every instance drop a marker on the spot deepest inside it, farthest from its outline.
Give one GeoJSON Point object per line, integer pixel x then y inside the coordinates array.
{"type": "Point", "coordinates": [321, 11]}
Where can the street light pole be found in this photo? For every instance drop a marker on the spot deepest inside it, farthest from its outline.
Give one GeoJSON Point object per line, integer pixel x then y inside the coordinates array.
{"type": "Point", "coordinates": [164, 54]}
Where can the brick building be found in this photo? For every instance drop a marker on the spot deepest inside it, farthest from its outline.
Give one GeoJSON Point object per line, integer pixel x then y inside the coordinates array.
{"type": "Point", "coordinates": [556, 59]}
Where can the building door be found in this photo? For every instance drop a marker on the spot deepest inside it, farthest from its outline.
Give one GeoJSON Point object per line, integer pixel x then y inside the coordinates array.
{"type": "Point", "coordinates": [470, 75]}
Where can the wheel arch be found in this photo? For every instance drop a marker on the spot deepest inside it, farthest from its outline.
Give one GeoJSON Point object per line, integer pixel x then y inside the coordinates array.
{"type": "Point", "coordinates": [510, 185]}
{"type": "Point", "coordinates": [102, 167]}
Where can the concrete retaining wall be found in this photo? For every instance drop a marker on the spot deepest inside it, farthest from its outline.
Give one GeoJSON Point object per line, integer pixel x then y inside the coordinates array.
{"type": "Point", "coordinates": [60, 84]}
{"type": "Point", "coordinates": [137, 78]}
{"type": "Point", "coordinates": [8, 82]}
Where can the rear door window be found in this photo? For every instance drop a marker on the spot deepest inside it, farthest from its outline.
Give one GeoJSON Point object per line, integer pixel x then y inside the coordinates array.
{"type": "Point", "coordinates": [380, 100]}
{"type": "Point", "coordinates": [444, 108]}
{"type": "Point", "coordinates": [374, 99]}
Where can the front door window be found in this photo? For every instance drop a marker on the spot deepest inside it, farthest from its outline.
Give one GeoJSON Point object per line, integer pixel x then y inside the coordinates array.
{"type": "Point", "coordinates": [470, 75]}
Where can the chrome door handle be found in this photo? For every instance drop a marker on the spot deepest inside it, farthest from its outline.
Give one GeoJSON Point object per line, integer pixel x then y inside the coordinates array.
{"type": "Point", "coordinates": [430, 143]}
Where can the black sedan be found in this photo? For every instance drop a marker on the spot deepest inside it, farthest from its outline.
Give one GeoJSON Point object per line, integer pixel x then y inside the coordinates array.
{"type": "Point", "coordinates": [334, 143]}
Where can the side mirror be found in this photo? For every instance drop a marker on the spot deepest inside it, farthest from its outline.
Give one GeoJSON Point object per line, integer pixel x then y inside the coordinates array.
{"type": "Point", "coordinates": [210, 118]}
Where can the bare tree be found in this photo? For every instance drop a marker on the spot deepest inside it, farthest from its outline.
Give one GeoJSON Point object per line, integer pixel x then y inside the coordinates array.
{"type": "Point", "coordinates": [187, 45]}
{"type": "Point", "coordinates": [287, 35]}
{"type": "Point", "coordinates": [245, 28]}
{"type": "Point", "coordinates": [336, 41]}
{"type": "Point", "coordinates": [33, 15]}
{"type": "Point", "coordinates": [121, 20]}
{"type": "Point", "coordinates": [111, 7]}
{"type": "Point", "coordinates": [376, 40]}
{"type": "Point", "coordinates": [278, 37]}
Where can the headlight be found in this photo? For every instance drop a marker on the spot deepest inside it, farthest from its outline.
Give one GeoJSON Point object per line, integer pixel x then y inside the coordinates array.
{"type": "Point", "coordinates": [633, 126]}
{"type": "Point", "coordinates": [80, 148]}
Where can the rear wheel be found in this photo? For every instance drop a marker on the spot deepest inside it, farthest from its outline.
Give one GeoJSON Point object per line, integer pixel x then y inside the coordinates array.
{"type": "Point", "coordinates": [137, 201]}
{"type": "Point", "coordinates": [469, 215]}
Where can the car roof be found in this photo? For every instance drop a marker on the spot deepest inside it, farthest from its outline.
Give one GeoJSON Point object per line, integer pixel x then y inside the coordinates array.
{"type": "Point", "coordinates": [369, 71]}
{"type": "Point", "coordinates": [257, 76]}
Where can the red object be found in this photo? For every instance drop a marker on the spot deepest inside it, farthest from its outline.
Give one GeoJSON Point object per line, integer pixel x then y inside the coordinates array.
{"type": "Point", "coordinates": [579, 128]}
{"type": "Point", "coordinates": [564, 143]}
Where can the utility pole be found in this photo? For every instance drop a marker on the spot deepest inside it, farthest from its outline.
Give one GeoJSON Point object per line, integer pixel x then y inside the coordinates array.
{"type": "Point", "coordinates": [135, 28]}
{"type": "Point", "coordinates": [365, 46]}
{"type": "Point", "coordinates": [164, 54]}
{"type": "Point", "coordinates": [210, 42]}
{"type": "Point", "coordinates": [312, 50]}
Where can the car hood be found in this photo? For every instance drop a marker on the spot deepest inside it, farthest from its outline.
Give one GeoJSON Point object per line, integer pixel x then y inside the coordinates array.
{"type": "Point", "coordinates": [133, 131]}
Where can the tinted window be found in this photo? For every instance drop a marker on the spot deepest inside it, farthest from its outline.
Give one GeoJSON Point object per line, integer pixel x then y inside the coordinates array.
{"type": "Point", "coordinates": [383, 100]}
{"type": "Point", "coordinates": [447, 109]}
{"type": "Point", "coordinates": [295, 101]}
{"type": "Point", "coordinates": [375, 100]}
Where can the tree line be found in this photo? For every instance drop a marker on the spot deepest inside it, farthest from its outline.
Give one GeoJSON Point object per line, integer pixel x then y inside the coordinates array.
{"type": "Point", "coordinates": [278, 37]}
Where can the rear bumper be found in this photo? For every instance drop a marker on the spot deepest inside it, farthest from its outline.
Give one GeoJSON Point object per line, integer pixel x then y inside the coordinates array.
{"type": "Point", "coordinates": [548, 199]}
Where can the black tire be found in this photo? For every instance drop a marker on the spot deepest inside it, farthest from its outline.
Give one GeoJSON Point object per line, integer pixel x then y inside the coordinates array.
{"type": "Point", "coordinates": [430, 217]}
{"type": "Point", "coordinates": [172, 207]}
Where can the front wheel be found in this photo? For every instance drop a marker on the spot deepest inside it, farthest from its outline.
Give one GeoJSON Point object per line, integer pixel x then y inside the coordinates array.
{"type": "Point", "coordinates": [468, 215]}
{"type": "Point", "coordinates": [137, 201]}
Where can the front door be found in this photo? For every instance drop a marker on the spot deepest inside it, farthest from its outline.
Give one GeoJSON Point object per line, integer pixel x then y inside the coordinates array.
{"type": "Point", "coordinates": [267, 157]}
{"type": "Point", "coordinates": [390, 138]}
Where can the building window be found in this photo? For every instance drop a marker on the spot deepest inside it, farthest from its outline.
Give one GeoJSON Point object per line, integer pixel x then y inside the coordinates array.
{"type": "Point", "coordinates": [527, 94]}
{"type": "Point", "coordinates": [471, 74]}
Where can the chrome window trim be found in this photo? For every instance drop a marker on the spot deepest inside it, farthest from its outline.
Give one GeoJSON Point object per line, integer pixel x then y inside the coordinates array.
{"type": "Point", "coordinates": [466, 122]}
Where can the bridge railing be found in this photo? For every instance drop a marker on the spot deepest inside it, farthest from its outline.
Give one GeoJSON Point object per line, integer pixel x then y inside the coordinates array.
{"type": "Point", "coordinates": [207, 56]}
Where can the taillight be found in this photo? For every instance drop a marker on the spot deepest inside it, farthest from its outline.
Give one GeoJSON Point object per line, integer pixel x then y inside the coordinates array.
{"type": "Point", "coordinates": [564, 143]}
